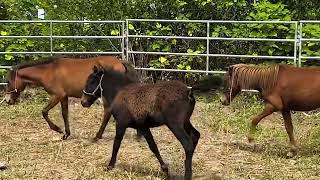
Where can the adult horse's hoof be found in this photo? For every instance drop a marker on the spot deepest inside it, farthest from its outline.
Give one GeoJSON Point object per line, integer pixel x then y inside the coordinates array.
{"type": "Point", "coordinates": [250, 139]}
{"type": "Point", "coordinates": [292, 153]}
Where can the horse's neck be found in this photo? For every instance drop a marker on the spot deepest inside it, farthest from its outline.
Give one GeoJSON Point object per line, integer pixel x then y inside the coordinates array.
{"type": "Point", "coordinates": [32, 75]}
{"type": "Point", "coordinates": [110, 92]}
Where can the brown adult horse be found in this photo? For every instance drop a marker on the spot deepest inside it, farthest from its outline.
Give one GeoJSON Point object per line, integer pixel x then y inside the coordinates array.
{"type": "Point", "coordinates": [61, 78]}
{"type": "Point", "coordinates": [284, 89]}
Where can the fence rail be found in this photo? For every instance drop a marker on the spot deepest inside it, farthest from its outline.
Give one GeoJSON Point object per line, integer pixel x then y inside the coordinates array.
{"type": "Point", "coordinates": [125, 38]}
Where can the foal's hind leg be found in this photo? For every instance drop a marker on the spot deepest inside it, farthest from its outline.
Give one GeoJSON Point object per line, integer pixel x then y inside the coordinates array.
{"type": "Point", "coordinates": [289, 128]}
{"type": "Point", "coordinates": [153, 146]}
{"type": "Point", "coordinates": [54, 100]}
{"type": "Point", "coordinates": [269, 109]}
{"type": "Point", "coordinates": [187, 144]}
{"type": "Point", "coordinates": [65, 111]}
{"type": "Point", "coordinates": [193, 133]}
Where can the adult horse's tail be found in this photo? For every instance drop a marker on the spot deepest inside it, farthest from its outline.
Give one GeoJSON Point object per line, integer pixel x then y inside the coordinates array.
{"type": "Point", "coordinates": [130, 71]}
{"type": "Point", "coordinates": [208, 83]}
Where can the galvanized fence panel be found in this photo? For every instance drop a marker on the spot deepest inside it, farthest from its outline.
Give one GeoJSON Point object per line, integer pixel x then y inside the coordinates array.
{"type": "Point", "coordinates": [125, 36]}
{"type": "Point", "coordinates": [302, 40]}
{"type": "Point", "coordinates": [53, 37]}
{"type": "Point", "coordinates": [208, 38]}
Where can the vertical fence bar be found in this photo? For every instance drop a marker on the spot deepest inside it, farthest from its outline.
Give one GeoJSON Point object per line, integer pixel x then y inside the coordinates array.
{"type": "Point", "coordinates": [127, 41]}
{"type": "Point", "coordinates": [51, 39]}
{"type": "Point", "coordinates": [295, 43]}
{"type": "Point", "coordinates": [300, 43]}
{"type": "Point", "coordinates": [208, 48]}
{"type": "Point", "coordinates": [122, 42]}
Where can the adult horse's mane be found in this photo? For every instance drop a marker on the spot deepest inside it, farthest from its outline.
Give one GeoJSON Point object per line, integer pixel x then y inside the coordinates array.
{"type": "Point", "coordinates": [43, 61]}
{"type": "Point", "coordinates": [250, 77]}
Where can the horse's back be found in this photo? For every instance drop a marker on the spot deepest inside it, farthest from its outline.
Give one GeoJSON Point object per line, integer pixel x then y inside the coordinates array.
{"type": "Point", "coordinates": [148, 99]}
{"type": "Point", "coordinates": [299, 87]}
{"type": "Point", "coordinates": [73, 73]}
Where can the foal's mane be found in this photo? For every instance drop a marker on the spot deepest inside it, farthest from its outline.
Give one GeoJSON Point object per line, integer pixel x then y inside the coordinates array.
{"type": "Point", "coordinates": [250, 77]}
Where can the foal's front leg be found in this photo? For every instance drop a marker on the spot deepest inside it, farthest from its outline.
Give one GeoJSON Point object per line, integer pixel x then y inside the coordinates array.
{"type": "Point", "coordinates": [153, 146]}
{"type": "Point", "coordinates": [116, 145]}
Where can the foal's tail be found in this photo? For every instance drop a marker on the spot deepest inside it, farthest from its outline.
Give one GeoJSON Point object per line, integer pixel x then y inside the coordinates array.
{"type": "Point", "coordinates": [191, 98]}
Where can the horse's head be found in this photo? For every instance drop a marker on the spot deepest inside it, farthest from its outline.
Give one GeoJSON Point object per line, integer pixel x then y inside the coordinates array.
{"type": "Point", "coordinates": [15, 87]}
{"type": "Point", "coordinates": [93, 88]}
{"type": "Point", "coordinates": [231, 88]}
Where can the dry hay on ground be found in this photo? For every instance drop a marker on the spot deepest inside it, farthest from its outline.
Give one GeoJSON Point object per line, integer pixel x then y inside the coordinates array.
{"type": "Point", "coordinates": [33, 151]}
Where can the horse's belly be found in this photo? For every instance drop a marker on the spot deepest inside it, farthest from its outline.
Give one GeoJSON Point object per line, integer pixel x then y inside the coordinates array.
{"type": "Point", "coordinates": [305, 105]}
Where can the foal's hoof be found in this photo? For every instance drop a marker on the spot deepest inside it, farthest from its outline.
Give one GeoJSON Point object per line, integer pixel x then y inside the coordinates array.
{"type": "Point", "coordinates": [95, 139]}
{"type": "Point", "coordinates": [109, 167]}
{"type": "Point", "coordinates": [165, 169]}
{"type": "Point", "coordinates": [65, 136]}
{"type": "Point", "coordinates": [56, 128]}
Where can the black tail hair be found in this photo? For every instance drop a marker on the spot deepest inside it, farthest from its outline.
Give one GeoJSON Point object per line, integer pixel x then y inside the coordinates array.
{"type": "Point", "coordinates": [190, 96]}
{"type": "Point", "coordinates": [130, 71]}
{"type": "Point", "coordinates": [209, 83]}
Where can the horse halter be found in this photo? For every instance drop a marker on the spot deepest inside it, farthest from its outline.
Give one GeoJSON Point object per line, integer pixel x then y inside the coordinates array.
{"type": "Point", "coordinates": [15, 84]}
{"type": "Point", "coordinates": [96, 89]}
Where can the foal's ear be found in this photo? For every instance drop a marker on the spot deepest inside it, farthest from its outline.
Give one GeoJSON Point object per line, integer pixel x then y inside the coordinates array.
{"type": "Point", "coordinates": [95, 69]}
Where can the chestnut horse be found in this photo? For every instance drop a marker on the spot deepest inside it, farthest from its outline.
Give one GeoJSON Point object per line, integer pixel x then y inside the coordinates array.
{"type": "Point", "coordinates": [61, 78]}
{"type": "Point", "coordinates": [284, 88]}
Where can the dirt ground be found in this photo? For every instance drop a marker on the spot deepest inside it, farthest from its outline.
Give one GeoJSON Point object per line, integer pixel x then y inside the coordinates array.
{"type": "Point", "coordinates": [33, 151]}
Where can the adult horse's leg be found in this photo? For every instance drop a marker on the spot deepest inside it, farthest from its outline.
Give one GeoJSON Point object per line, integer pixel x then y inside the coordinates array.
{"type": "Point", "coordinates": [187, 144]}
{"type": "Point", "coordinates": [269, 109]}
{"type": "Point", "coordinates": [153, 146]}
{"type": "Point", "coordinates": [106, 117]}
{"type": "Point", "coordinates": [65, 111]}
{"type": "Point", "coordinates": [289, 128]}
{"type": "Point", "coordinates": [54, 100]}
{"type": "Point", "coordinates": [120, 130]}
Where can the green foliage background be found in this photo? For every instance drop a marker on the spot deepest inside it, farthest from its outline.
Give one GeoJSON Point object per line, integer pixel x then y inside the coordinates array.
{"type": "Point", "coordinates": [165, 9]}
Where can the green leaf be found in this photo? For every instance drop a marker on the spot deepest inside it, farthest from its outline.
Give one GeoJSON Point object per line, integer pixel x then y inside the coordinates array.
{"type": "Point", "coordinates": [3, 33]}
{"type": "Point", "coordinates": [163, 59]}
{"type": "Point", "coordinates": [190, 51]}
{"type": "Point", "coordinates": [188, 67]}
{"type": "Point", "coordinates": [8, 57]}
{"type": "Point", "coordinates": [174, 41]}
{"type": "Point", "coordinates": [158, 25]}
{"type": "Point", "coordinates": [180, 66]}
{"type": "Point", "coordinates": [131, 27]}
{"type": "Point", "coordinates": [155, 46]}
{"type": "Point", "coordinates": [115, 32]}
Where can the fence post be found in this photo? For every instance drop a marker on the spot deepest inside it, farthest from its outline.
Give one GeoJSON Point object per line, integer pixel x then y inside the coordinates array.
{"type": "Point", "coordinates": [296, 40]}
{"type": "Point", "coordinates": [51, 39]}
{"type": "Point", "coordinates": [122, 41]}
{"type": "Point", "coordinates": [127, 41]}
{"type": "Point", "coordinates": [300, 43]}
{"type": "Point", "coordinates": [208, 47]}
